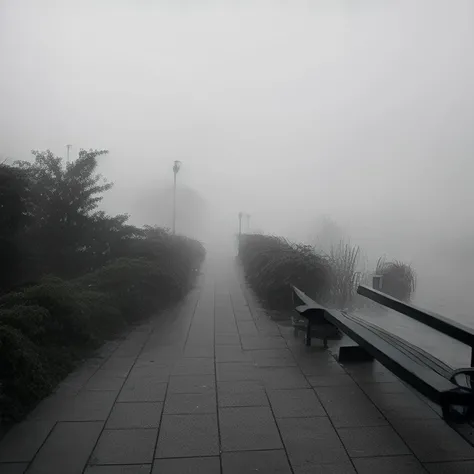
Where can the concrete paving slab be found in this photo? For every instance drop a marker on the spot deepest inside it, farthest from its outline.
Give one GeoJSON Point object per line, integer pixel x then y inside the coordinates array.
{"type": "Point", "coordinates": [67, 449]}
{"type": "Point", "coordinates": [462, 467]}
{"type": "Point", "coordinates": [248, 428]}
{"type": "Point", "coordinates": [232, 354]}
{"type": "Point", "coordinates": [13, 468]}
{"type": "Point", "coordinates": [433, 440]}
{"type": "Point", "coordinates": [134, 446]}
{"type": "Point", "coordinates": [349, 407]}
{"type": "Point", "coordinates": [338, 468]}
{"type": "Point", "coordinates": [198, 366]}
{"type": "Point", "coordinates": [295, 403]}
{"type": "Point", "coordinates": [188, 436]}
{"type": "Point", "coordinates": [135, 415]}
{"type": "Point", "coordinates": [389, 465]}
{"type": "Point", "coordinates": [207, 465]}
{"type": "Point", "coordinates": [23, 441]}
{"type": "Point", "coordinates": [238, 371]}
{"type": "Point", "coordinates": [372, 441]}
{"type": "Point", "coordinates": [124, 469]}
{"type": "Point", "coordinates": [143, 390]}
{"type": "Point", "coordinates": [190, 403]}
{"type": "Point", "coordinates": [106, 380]}
{"type": "Point", "coordinates": [241, 394]}
{"type": "Point", "coordinates": [191, 383]}
{"type": "Point", "coordinates": [251, 462]}
{"type": "Point", "coordinates": [275, 378]}
{"type": "Point", "coordinates": [311, 442]}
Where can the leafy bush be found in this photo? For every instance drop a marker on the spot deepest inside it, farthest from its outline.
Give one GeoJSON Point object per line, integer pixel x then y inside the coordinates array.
{"type": "Point", "coordinates": [73, 275]}
{"type": "Point", "coordinates": [45, 328]}
{"type": "Point", "coordinates": [135, 285]}
{"type": "Point", "coordinates": [398, 278]}
{"type": "Point", "coordinates": [24, 376]}
{"type": "Point", "coordinates": [272, 265]}
{"type": "Point", "coordinates": [66, 319]}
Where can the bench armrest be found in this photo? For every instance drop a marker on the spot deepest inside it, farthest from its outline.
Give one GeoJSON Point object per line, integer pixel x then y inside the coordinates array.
{"type": "Point", "coordinates": [463, 378]}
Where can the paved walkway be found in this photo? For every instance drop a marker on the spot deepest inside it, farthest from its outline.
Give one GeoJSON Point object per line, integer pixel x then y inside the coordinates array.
{"type": "Point", "coordinates": [215, 386]}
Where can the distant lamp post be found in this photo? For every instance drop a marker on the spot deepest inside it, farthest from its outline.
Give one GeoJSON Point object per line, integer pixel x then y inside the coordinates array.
{"type": "Point", "coordinates": [176, 167]}
{"type": "Point", "coordinates": [241, 214]}
{"type": "Point", "coordinates": [68, 148]}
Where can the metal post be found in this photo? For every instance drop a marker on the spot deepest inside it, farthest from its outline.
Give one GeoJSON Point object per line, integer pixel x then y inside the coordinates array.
{"type": "Point", "coordinates": [240, 223]}
{"type": "Point", "coordinates": [377, 282]}
{"type": "Point", "coordinates": [176, 166]}
{"type": "Point", "coordinates": [68, 147]}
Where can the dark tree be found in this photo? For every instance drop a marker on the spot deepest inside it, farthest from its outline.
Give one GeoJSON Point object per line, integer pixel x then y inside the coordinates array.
{"type": "Point", "coordinates": [13, 217]}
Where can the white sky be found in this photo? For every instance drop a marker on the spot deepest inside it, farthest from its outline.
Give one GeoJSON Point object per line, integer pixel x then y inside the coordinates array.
{"type": "Point", "coordinates": [361, 110]}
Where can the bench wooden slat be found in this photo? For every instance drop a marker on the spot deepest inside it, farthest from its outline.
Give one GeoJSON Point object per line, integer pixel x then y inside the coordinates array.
{"type": "Point", "coordinates": [410, 350]}
{"type": "Point", "coordinates": [421, 370]}
{"type": "Point", "coordinates": [447, 326]}
{"type": "Point", "coordinates": [424, 379]}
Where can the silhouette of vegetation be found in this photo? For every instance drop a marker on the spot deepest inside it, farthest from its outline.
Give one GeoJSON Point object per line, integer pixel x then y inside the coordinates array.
{"type": "Point", "coordinates": [343, 260]}
{"type": "Point", "coordinates": [272, 264]}
{"type": "Point", "coordinates": [398, 278]}
{"type": "Point", "coordinates": [73, 275]}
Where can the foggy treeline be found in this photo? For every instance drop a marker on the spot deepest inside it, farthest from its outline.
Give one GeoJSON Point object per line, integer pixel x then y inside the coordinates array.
{"type": "Point", "coordinates": [356, 114]}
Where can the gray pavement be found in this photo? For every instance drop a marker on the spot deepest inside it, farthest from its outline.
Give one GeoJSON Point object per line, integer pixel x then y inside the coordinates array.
{"type": "Point", "coordinates": [215, 386]}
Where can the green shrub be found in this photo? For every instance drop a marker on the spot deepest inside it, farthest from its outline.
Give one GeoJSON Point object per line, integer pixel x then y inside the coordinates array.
{"type": "Point", "coordinates": [32, 320]}
{"type": "Point", "coordinates": [272, 265]}
{"type": "Point", "coordinates": [45, 328]}
{"type": "Point", "coordinates": [398, 278]}
{"type": "Point", "coordinates": [67, 321]}
{"type": "Point", "coordinates": [24, 376]}
{"type": "Point", "coordinates": [134, 285]}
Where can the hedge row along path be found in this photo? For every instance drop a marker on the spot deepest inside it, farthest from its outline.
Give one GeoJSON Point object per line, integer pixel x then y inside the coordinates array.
{"type": "Point", "coordinates": [215, 386]}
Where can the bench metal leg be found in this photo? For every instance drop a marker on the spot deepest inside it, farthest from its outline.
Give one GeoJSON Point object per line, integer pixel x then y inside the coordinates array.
{"type": "Point", "coordinates": [308, 334]}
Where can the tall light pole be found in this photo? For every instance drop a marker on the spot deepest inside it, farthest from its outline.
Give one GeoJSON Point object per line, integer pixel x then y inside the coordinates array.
{"type": "Point", "coordinates": [68, 147]}
{"type": "Point", "coordinates": [240, 222]}
{"type": "Point", "coordinates": [176, 167]}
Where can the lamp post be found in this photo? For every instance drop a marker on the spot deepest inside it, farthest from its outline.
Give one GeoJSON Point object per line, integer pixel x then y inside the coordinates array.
{"type": "Point", "coordinates": [176, 167]}
{"type": "Point", "coordinates": [240, 222]}
{"type": "Point", "coordinates": [68, 147]}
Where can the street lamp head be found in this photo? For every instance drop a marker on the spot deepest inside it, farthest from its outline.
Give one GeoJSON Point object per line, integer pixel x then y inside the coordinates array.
{"type": "Point", "coordinates": [176, 166]}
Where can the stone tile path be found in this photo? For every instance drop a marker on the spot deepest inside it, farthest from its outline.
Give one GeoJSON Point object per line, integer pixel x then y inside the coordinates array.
{"type": "Point", "coordinates": [215, 386]}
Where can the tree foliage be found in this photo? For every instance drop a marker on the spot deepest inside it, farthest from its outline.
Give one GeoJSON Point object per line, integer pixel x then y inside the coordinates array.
{"type": "Point", "coordinates": [71, 274]}
{"type": "Point", "coordinates": [50, 218]}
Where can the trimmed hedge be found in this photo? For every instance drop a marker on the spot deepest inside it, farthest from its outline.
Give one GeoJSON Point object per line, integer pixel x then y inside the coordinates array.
{"type": "Point", "coordinates": [272, 264]}
{"type": "Point", "coordinates": [47, 327]}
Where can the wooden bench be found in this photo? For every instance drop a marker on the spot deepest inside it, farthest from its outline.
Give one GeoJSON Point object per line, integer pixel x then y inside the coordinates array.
{"type": "Point", "coordinates": [428, 375]}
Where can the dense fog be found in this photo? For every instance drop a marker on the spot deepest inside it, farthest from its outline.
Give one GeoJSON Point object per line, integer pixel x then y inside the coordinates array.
{"type": "Point", "coordinates": [296, 113]}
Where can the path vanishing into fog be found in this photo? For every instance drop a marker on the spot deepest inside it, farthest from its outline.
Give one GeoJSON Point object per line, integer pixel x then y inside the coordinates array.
{"type": "Point", "coordinates": [215, 386]}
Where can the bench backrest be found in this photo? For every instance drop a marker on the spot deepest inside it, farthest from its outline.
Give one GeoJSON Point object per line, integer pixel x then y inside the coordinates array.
{"type": "Point", "coordinates": [444, 325]}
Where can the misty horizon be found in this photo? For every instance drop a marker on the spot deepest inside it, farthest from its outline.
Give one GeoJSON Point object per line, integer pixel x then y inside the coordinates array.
{"type": "Point", "coordinates": [286, 111]}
